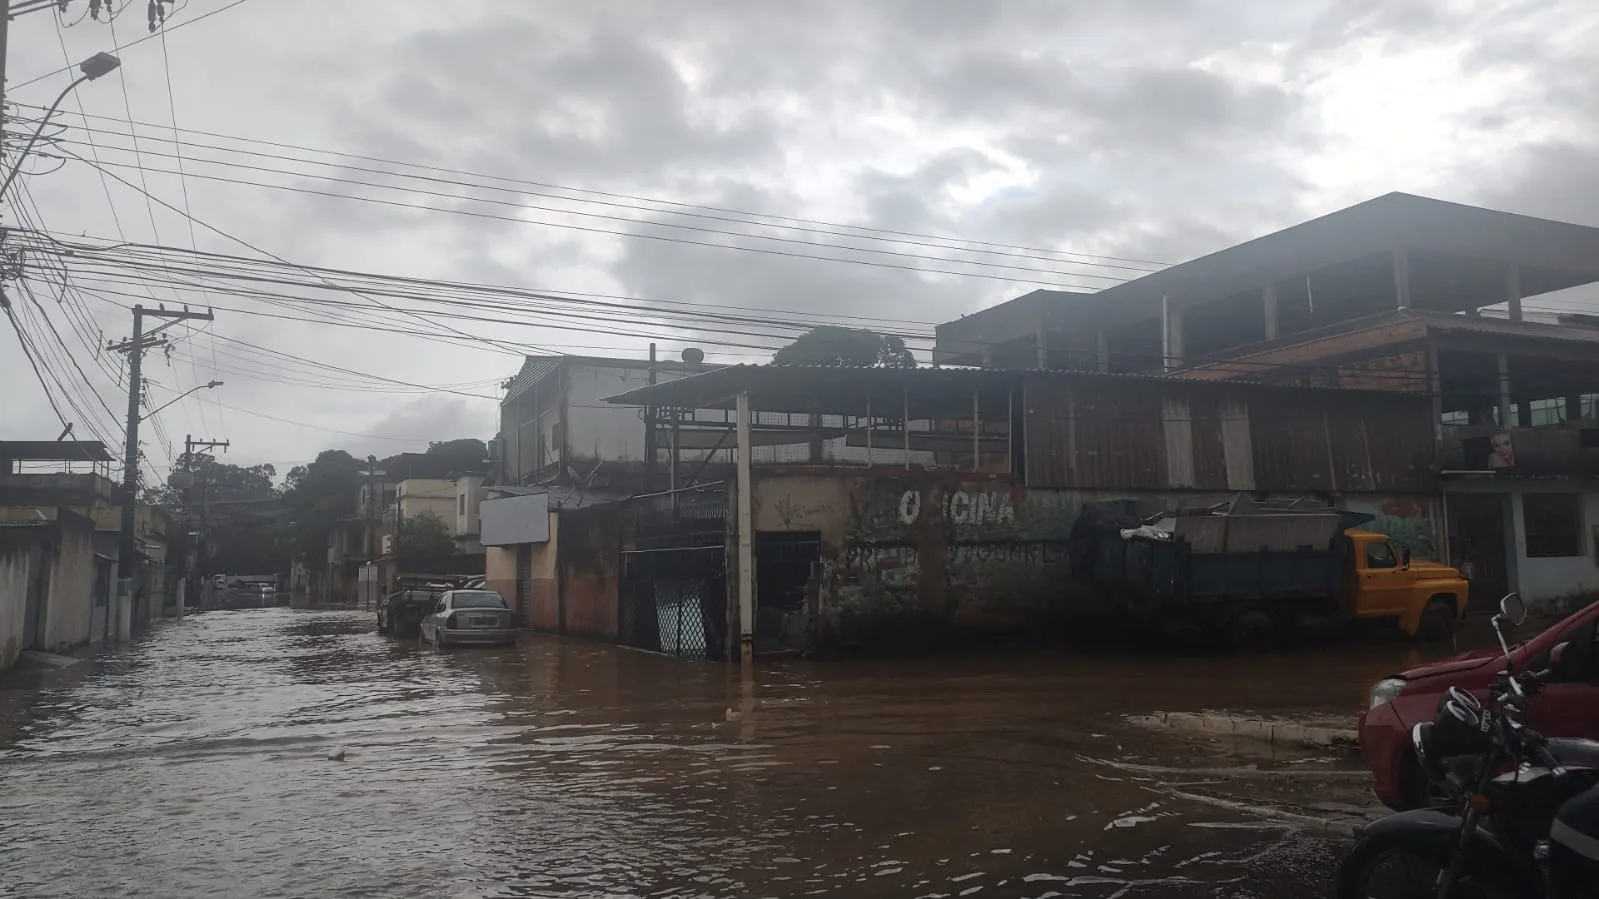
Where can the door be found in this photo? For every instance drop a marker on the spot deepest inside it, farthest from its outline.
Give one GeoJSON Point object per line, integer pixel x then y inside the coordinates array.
{"type": "Point", "coordinates": [1477, 537]}
{"type": "Point", "coordinates": [1384, 581]}
{"type": "Point", "coordinates": [33, 614]}
{"type": "Point", "coordinates": [1570, 706]}
{"type": "Point", "coordinates": [524, 584]}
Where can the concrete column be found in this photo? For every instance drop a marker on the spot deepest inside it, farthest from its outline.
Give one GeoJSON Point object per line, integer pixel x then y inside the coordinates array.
{"type": "Point", "coordinates": [1513, 291]}
{"type": "Point", "coordinates": [1171, 334]}
{"type": "Point", "coordinates": [1436, 391]}
{"type": "Point", "coordinates": [1523, 411]}
{"type": "Point", "coordinates": [1573, 406]}
{"type": "Point", "coordinates": [1503, 362]}
{"type": "Point", "coordinates": [1401, 278]}
{"type": "Point", "coordinates": [1268, 298]}
{"type": "Point", "coordinates": [746, 537]}
{"type": "Point", "coordinates": [1102, 351]}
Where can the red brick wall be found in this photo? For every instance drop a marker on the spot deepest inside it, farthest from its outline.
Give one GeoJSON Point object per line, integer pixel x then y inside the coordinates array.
{"type": "Point", "coordinates": [546, 605]}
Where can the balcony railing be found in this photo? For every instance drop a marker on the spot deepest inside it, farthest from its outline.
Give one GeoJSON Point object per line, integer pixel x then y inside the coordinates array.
{"type": "Point", "coordinates": [1570, 450]}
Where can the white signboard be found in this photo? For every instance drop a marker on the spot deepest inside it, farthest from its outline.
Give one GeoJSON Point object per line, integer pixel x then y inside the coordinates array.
{"type": "Point", "coordinates": [516, 519]}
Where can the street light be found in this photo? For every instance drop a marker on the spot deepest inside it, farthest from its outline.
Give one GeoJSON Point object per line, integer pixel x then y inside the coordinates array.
{"type": "Point", "coordinates": [92, 68]}
{"type": "Point", "coordinates": [180, 396]}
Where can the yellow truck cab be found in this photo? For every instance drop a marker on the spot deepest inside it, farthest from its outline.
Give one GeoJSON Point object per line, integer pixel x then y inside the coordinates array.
{"type": "Point", "coordinates": [1425, 598]}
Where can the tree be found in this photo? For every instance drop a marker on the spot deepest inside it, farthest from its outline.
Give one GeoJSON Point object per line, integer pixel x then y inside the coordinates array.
{"type": "Point", "coordinates": [832, 345]}
{"type": "Point", "coordinates": [319, 495]}
{"type": "Point", "coordinates": [422, 536]}
{"type": "Point", "coordinates": [466, 446]}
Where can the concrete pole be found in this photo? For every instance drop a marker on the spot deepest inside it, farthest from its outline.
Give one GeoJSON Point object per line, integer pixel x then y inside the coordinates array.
{"type": "Point", "coordinates": [127, 561]}
{"type": "Point", "coordinates": [746, 537]}
{"type": "Point", "coordinates": [977, 430]}
{"type": "Point", "coordinates": [907, 427]}
{"type": "Point", "coordinates": [1401, 278]}
{"type": "Point", "coordinates": [1503, 362]}
{"type": "Point", "coordinates": [1268, 299]}
{"type": "Point", "coordinates": [1513, 292]}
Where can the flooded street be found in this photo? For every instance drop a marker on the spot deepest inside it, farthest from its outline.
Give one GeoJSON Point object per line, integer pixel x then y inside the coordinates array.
{"type": "Point", "coordinates": [197, 763]}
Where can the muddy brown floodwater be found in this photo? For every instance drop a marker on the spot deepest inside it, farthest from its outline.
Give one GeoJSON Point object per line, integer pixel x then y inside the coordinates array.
{"type": "Point", "coordinates": [197, 763]}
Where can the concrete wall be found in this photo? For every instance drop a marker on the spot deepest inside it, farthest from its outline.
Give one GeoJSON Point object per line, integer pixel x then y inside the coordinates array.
{"type": "Point", "coordinates": [68, 619]}
{"type": "Point", "coordinates": [468, 499]}
{"type": "Point", "coordinates": [437, 495]}
{"type": "Point", "coordinates": [1543, 579]}
{"type": "Point", "coordinates": [545, 590]}
{"type": "Point", "coordinates": [596, 430]}
{"type": "Point", "coordinates": [908, 556]}
{"type": "Point", "coordinates": [499, 573]}
{"type": "Point", "coordinates": [590, 571]}
{"type": "Point", "coordinates": [15, 572]}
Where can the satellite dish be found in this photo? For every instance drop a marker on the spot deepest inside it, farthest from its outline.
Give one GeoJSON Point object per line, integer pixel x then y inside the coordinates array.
{"type": "Point", "coordinates": [693, 355]}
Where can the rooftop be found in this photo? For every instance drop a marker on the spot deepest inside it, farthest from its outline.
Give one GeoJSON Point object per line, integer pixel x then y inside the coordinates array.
{"type": "Point", "coordinates": [1340, 265]}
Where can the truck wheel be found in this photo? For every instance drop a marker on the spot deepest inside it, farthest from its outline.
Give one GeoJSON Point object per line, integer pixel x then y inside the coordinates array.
{"type": "Point", "coordinates": [1249, 632]}
{"type": "Point", "coordinates": [1437, 619]}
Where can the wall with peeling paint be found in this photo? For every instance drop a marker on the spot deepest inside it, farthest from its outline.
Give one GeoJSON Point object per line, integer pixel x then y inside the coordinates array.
{"type": "Point", "coordinates": [909, 558]}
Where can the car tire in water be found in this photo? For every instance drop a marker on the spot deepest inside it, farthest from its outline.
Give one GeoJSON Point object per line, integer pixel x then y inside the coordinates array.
{"type": "Point", "coordinates": [1437, 620]}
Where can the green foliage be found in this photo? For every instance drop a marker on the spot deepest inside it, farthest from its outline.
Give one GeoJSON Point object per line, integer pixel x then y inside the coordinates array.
{"type": "Point", "coordinates": [466, 446]}
{"type": "Point", "coordinates": [423, 536]}
{"type": "Point", "coordinates": [318, 495]}
{"type": "Point", "coordinates": [832, 345]}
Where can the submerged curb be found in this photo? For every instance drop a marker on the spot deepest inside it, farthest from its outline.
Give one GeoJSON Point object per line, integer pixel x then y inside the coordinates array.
{"type": "Point", "coordinates": [1275, 732]}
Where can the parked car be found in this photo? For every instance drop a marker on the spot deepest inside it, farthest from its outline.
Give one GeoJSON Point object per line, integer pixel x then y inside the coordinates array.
{"type": "Point", "coordinates": [469, 617]}
{"type": "Point", "coordinates": [1399, 702]}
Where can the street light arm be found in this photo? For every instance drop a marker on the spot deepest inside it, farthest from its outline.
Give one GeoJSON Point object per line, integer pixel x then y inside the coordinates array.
{"type": "Point", "coordinates": [152, 412]}
{"type": "Point", "coordinates": [12, 175]}
{"type": "Point", "coordinates": [92, 68]}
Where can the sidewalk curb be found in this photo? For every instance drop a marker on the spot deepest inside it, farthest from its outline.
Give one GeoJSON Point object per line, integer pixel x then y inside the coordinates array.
{"type": "Point", "coordinates": [1273, 732]}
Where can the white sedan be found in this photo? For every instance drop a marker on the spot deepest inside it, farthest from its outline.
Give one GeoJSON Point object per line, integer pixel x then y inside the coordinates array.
{"type": "Point", "coordinates": [464, 617]}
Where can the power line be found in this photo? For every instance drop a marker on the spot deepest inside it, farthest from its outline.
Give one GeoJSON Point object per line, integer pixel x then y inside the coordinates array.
{"type": "Point", "coordinates": [630, 234]}
{"type": "Point", "coordinates": [916, 238]}
{"type": "Point", "coordinates": [134, 43]}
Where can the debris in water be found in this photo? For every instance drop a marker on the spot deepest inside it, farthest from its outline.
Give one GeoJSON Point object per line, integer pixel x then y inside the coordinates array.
{"type": "Point", "coordinates": [336, 755]}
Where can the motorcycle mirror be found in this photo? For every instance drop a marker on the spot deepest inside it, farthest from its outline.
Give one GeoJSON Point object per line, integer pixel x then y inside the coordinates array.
{"type": "Point", "coordinates": [1513, 608]}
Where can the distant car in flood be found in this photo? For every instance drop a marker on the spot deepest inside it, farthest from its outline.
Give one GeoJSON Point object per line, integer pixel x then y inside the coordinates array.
{"type": "Point", "coordinates": [469, 617]}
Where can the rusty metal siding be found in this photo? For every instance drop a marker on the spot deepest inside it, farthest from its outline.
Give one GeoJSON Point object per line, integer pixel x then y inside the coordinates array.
{"type": "Point", "coordinates": [1165, 434]}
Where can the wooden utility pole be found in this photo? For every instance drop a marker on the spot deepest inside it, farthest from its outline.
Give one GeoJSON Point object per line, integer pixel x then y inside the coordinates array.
{"type": "Point", "coordinates": [135, 348]}
{"type": "Point", "coordinates": [189, 446]}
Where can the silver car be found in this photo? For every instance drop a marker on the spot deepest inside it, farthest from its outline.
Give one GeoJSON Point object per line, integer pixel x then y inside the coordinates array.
{"type": "Point", "coordinates": [469, 617]}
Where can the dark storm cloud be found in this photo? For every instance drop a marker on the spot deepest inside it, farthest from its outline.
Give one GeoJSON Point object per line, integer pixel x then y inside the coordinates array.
{"type": "Point", "coordinates": [1146, 128]}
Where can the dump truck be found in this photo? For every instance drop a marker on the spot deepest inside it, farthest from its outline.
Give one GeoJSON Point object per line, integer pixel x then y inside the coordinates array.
{"type": "Point", "coordinates": [413, 596]}
{"type": "Point", "coordinates": [1242, 571]}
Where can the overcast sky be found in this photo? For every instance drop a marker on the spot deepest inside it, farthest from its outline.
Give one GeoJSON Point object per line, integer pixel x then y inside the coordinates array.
{"type": "Point", "coordinates": [1141, 129]}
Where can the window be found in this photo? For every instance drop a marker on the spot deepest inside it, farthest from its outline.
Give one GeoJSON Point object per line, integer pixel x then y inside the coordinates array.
{"type": "Point", "coordinates": [1553, 522]}
{"type": "Point", "coordinates": [1380, 555]}
{"type": "Point", "coordinates": [476, 599]}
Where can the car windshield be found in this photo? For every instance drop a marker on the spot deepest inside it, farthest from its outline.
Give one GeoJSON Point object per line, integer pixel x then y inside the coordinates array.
{"type": "Point", "coordinates": [478, 599]}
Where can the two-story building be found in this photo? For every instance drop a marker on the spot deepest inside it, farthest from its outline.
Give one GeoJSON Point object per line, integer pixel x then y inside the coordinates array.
{"type": "Point", "coordinates": [1403, 294]}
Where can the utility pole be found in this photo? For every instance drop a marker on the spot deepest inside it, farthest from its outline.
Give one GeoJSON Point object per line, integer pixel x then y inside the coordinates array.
{"type": "Point", "coordinates": [189, 446]}
{"type": "Point", "coordinates": [135, 348]}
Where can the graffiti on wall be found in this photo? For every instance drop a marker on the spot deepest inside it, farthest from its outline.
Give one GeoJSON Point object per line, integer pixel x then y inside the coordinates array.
{"type": "Point", "coordinates": [961, 506]}
{"type": "Point", "coordinates": [1407, 521]}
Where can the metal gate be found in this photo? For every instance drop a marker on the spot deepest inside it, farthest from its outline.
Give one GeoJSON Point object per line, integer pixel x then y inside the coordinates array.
{"type": "Point", "coordinates": [673, 589]}
{"type": "Point", "coordinates": [524, 584]}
